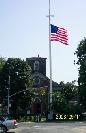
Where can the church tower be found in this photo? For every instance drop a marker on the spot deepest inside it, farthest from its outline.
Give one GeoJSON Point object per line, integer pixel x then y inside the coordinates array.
{"type": "Point", "coordinates": [37, 64]}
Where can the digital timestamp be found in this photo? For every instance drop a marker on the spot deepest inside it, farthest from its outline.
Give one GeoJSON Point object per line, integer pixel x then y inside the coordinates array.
{"type": "Point", "coordinates": [67, 116]}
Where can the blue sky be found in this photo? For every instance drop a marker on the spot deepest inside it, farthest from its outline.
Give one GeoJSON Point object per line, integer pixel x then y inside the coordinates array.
{"type": "Point", "coordinates": [24, 32]}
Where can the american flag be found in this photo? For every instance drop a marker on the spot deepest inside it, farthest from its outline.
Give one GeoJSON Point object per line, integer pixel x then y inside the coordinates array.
{"type": "Point", "coordinates": [59, 34]}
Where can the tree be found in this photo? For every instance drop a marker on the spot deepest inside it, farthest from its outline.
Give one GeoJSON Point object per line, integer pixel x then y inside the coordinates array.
{"type": "Point", "coordinates": [2, 63]}
{"type": "Point", "coordinates": [70, 93]}
{"type": "Point", "coordinates": [69, 89]}
{"type": "Point", "coordinates": [81, 56]}
{"type": "Point", "coordinates": [59, 102]}
{"type": "Point", "coordinates": [61, 98]}
{"type": "Point", "coordinates": [20, 79]}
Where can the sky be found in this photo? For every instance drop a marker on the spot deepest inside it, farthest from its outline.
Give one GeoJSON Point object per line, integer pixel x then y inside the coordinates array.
{"type": "Point", "coordinates": [24, 31]}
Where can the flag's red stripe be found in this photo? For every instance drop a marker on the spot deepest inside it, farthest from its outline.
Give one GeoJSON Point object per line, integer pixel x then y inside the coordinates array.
{"type": "Point", "coordinates": [57, 35]}
{"type": "Point", "coordinates": [62, 31]}
{"type": "Point", "coordinates": [53, 34]}
{"type": "Point", "coordinates": [59, 38]}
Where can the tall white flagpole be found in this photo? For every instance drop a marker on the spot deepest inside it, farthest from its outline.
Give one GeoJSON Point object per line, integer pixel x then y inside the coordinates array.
{"type": "Point", "coordinates": [50, 60]}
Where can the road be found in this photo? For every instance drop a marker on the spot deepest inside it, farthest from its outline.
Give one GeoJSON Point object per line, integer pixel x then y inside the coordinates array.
{"type": "Point", "coordinates": [68, 127]}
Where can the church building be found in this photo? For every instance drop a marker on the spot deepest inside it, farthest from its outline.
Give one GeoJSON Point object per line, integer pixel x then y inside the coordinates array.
{"type": "Point", "coordinates": [41, 84]}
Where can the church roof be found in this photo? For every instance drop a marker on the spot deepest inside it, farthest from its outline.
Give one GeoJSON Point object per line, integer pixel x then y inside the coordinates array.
{"type": "Point", "coordinates": [34, 58]}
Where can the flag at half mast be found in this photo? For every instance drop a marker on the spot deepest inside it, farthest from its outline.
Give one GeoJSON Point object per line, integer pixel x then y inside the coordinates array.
{"type": "Point", "coordinates": [59, 34]}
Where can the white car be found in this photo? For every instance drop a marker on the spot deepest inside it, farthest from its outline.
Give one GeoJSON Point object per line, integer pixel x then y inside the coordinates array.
{"type": "Point", "coordinates": [7, 123]}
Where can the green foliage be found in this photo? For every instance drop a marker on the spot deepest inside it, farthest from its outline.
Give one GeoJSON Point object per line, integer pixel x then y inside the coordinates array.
{"type": "Point", "coordinates": [61, 99]}
{"type": "Point", "coordinates": [20, 79]}
{"type": "Point", "coordinates": [2, 63]}
{"type": "Point", "coordinates": [69, 90]}
{"type": "Point", "coordinates": [59, 102]}
{"type": "Point", "coordinates": [81, 55]}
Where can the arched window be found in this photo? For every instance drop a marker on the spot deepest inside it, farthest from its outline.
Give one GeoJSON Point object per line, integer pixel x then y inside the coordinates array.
{"type": "Point", "coordinates": [36, 81]}
{"type": "Point", "coordinates": [36, 65]}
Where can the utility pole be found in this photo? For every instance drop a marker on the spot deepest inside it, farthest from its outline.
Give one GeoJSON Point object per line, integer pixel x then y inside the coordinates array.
{"type": "Point", "coordinates": [8, 111]}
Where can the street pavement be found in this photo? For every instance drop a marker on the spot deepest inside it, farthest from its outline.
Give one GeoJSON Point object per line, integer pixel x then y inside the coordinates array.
{"type": "Point", "coordinates": [59, 127]}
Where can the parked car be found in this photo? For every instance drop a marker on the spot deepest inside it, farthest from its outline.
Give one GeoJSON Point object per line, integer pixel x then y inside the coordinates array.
{"type": "Point", "coordinates": [2, 128]}
{"type": "Point", "coordinates": [7, 123]}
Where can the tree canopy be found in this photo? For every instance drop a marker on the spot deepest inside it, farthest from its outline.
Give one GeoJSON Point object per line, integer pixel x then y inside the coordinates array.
{"type": "Point", "coordinates": [59, 102]}
{"type": "Point", "coordinates": [20, 79]}
{"type": "Point", "coordinates": [69, 90]}
{"type": "Point", "coordinates": [2, 63]}
{"type": "Point", "coordinates": [62, 99]}
{"type": "Point", "coordinates": [81, 55]}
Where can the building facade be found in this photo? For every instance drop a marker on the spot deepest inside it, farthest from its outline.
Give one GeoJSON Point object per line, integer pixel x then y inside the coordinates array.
{"type": "Point", "coordinates": [41, 84]}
